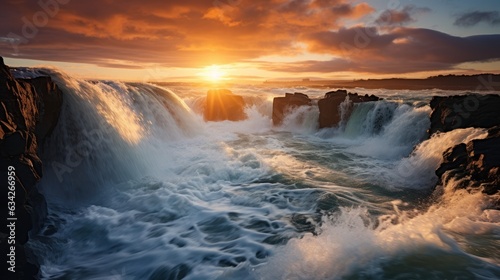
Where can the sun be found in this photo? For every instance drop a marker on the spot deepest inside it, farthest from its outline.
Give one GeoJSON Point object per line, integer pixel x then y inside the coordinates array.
{"type": "Point", "coordinates": [214, 73]}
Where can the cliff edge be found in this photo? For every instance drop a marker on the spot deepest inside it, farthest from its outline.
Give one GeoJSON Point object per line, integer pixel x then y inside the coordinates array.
{"type": "Point", "coordinates": [29, 110]}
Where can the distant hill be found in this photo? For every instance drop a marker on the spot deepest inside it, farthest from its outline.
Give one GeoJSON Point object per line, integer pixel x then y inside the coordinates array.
{"type": "Point", "coordinates": [480, 82]}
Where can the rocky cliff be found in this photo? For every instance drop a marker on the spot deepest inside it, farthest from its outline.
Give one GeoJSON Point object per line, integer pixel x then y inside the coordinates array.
{"type": "Point", "coordinates": [29, 110]}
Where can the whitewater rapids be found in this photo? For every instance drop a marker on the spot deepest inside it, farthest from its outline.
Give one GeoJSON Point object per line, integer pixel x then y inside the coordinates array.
{"type": "Point", "coordinates": [140, 187]}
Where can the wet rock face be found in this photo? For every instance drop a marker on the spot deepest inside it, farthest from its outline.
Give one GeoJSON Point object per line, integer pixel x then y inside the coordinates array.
{"type": "Point", "coordinates": [472, 110]}
{"type": "Point", "coordinates": [329, 112]}
{"type": "Point", "coordinates": [49, 98]}
{"type": "Point", "coordinates": [477, 163]}
{"type": "Point", "coordinates": [29, 110]}
{"type": "Point", "coordinates": [283, 105]}
{"type": "Point", "coordinates": [222, 104]}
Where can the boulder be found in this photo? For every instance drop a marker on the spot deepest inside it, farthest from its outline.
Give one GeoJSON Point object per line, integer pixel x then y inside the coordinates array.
{"type": "Point", "coordinates": [29, 110]}
{"type": "Point", "coordinates": [329, 112]}
{"type": "Point", "coordinates": [471, 110]}
{"type": "Point", "coordinates": [222, 104]}
{"type": "Point", "coordinates": [283, 105]}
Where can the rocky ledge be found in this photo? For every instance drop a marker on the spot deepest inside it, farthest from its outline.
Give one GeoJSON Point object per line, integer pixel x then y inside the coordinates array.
{"type": "Point", "coordinates": [29, 110]}
{"type": "Point", "coordinates": [474, 165]}
{"type": "Point", "coordinates": [462, 111]}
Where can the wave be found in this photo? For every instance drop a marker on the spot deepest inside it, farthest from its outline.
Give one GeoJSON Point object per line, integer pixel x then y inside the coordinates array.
{"type": "Point", "coordinates": [417, 170]}
{"type": "Point", "coordinates": [428, 243]}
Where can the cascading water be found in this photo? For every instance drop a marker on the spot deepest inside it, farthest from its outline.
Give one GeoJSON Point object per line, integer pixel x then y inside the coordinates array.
{"type": "Point", "coordinates": [139, 187]}
{"type": "Point", "coordinates": [386, 129]}
{"type": "Point", "coordinates": [106, 131]}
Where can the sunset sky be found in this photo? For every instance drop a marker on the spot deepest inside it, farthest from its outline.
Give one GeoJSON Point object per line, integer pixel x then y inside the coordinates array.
{"type": "Point", "coordinates": [160, 40]}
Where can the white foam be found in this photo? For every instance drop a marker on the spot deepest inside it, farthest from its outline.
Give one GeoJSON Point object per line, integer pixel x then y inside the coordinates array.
{"type": "Point", "coordinates": [418, 169]}
{"type": "Point", "coordinates": [385, 130]}
{"type": "Point", "coordinates": [301, 120]}
{"type": "Point", "coordinates": [352, 244]}
{"type": "Point", "coordinates": [197, 198]}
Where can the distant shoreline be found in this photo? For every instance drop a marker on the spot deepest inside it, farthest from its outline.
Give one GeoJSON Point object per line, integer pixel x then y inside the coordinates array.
{"type": "Point", "coordinates": [480, 82]}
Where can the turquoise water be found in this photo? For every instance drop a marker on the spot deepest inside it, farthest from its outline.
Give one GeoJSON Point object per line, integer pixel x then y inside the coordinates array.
{"type": "Point", "coordinates": [140, 187]}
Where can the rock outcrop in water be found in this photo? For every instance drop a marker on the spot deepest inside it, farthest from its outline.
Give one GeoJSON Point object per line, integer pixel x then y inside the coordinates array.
{"type": "Point", "coordinates": [222, 104]}
{"type": "Point", "coordinates": [329, 105]}
{"type": "Point", "coordinates": [29, 110]}
{"type": "Point", "coordinates": [329, 112]}
{"type": "Point", "coordinates": [461, 111]}
{"type": "Point", "coordinates": [283, 105]}
{"type": "Point", "coordinates": [475, 164]}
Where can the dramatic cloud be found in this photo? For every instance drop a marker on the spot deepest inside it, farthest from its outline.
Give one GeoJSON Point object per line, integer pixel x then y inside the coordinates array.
{"type": "Point", "coordinates": [473, 18]}
{"type": "Point", "coordinates": [184, 33]}
{"type": "Point", "coordinates": [191, 33]}
{"type": "Point", "coordinates": [400, 17]}
{"type": "Point", "coordinates": [403, 50]}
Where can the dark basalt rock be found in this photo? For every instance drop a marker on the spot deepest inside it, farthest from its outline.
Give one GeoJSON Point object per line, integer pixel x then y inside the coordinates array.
{"type": "Point", "coordinates": [461, 111]}
{"type": "Point", "coordinates": [29, 110]}
{"type": "Point", "coordinates": [283, 105]}
{"type": "Point", "coordinates": [222, 104]}
{"type": "Point", "coordinates": [454, 157]}
{"type": "Point", "coordinates": [51, 101]}
{"type": "Point", "coordinates": [329, 113]}
{"type": "Point", "coordinates": [477, 163]}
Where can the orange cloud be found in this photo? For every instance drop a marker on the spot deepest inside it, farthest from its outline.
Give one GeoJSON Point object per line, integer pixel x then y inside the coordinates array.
{"type": "Point", "coordinates": [192, 33]}
{"type": "Point", "coordinates": [186, 33]}
{"type": "Point", "coordinates": [220, 14]}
